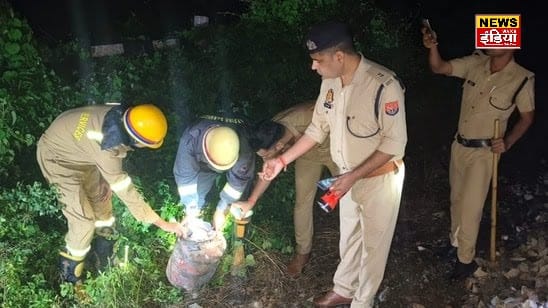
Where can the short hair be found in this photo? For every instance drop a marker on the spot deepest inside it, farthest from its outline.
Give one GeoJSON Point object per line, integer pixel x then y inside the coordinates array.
{"type": "Point", "coordinates": [346, 47]}
{"type": "Point", "coordinates": [265, 134]}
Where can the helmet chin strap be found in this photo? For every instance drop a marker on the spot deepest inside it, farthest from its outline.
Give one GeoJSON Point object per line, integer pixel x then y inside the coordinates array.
{"type": "Point", "coordinates": [135, 144]}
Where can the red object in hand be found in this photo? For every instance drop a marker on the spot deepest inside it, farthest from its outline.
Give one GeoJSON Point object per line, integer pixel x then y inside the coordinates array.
{"type": "Point", "coordinates": [329, 201]}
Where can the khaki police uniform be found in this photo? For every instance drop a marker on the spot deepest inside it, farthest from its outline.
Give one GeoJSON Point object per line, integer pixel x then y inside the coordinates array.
{"type": "Point", "coordinates": [308, 170]}
{"type": "Point", "coordinates": [70, 157]}
{"type": "Point", "coordinates": [368, 212]}
{"type": "Point", "coordinates": [485, 97]}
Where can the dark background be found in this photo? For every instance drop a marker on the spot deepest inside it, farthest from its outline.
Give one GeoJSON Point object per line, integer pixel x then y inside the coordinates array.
{"type": "Point", "coordinates": [104, 21]}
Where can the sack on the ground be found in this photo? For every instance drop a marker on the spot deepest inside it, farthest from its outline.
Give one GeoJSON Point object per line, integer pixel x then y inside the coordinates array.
{"type": "Point", "coordinates": [194, 262]}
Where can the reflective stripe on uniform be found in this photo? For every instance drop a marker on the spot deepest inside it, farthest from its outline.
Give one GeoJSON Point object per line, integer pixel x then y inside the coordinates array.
{"type": "Point", "coordinates": [104, 223]}
{"type": "Point", "coordinates": [186, 190]}
{"type": "Point", "coordinates": [232, 192]}
{"type": "Point", "coordinates": [121, 185]}
{"type": "Point", "coordinates": [78, 252]}
{"type": "Point", "coordinates": [95, 135]}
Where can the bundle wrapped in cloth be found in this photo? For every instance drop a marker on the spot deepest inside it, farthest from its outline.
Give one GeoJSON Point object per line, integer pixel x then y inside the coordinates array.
{"type": "Point", "coordinates": [196, 255]}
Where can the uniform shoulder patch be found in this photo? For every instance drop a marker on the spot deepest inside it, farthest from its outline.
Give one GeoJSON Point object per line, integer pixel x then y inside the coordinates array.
{"type": "Point", "coordinates": [391, 108]}
{"type": "Point", "coordinates": [380, 73]}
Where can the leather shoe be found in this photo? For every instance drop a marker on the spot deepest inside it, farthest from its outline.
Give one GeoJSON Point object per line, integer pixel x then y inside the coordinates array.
{"type": "Point", "coordinates": [463, 270]}
{"type": "Point", "coordinates": [295, 267]}
{"type": "Point", "coordinates": [331, 299]}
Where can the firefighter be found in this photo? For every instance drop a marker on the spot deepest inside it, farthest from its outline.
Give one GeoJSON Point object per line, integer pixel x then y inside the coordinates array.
{"type": "Point", "coordinates": [272, 138]}
{"type": "Point", "coordinates": [212, 146]}
{"type": "Point", "coordinates": [81, 153]}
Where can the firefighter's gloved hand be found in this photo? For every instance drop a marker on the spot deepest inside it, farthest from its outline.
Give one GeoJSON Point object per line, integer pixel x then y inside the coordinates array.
{"type": "Point", "coordinates": [239, 212]}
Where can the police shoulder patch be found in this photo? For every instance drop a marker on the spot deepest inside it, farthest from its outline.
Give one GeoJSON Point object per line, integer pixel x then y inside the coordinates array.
{"type": "Point", "coordinates": [391, 108]}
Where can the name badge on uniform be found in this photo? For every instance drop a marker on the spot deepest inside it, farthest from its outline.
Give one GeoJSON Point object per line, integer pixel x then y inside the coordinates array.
{"type": "Point", "coordinates": [328, 103]}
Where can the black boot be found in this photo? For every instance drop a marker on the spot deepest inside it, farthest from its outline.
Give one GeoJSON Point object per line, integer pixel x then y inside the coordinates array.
{"type": "Point", "coordinates": [71, 267]}
{"type": "Point", "coordinates": [463, 270]}
{"type": "Point", "coordinates": [101, 255]}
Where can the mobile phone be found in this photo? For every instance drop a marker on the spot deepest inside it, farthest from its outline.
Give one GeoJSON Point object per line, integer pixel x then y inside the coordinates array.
{"type": "Point", "coordinates": [426, 24]}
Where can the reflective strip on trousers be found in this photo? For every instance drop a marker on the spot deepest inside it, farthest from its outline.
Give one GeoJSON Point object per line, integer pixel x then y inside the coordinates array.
{"type": "Point", "coordinates": [233, 193]}
{"type": "Point", "coordinates": [186, 190]}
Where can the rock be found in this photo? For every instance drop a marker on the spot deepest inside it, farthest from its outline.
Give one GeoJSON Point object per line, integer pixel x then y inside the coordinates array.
{"type": "Point", "coordinates": [513, 273]}
{"type": "Point", "coordinates": [384, 293]}
{"type": "Point", "coordinates": [543, 271]}
{"type": "Point", "coordinates": [479, 273]}
{"type": "Point", "coordinates": [519, 259]}
{"type": "Point", "coordinates": [540, 283]}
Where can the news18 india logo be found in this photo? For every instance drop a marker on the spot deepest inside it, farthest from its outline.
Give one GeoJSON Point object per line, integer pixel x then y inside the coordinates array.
{"type": "Point", "coordinates": [498, 31]}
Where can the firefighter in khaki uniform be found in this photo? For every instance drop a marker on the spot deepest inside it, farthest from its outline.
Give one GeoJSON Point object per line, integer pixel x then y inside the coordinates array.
{"type": "Point", "coordinates": [494, 85]}
{"type": "Point", "coordinates": [272, 138]}
{"type": "Point", "coordinates": [361, 107]}
{"type": "Point", "coordinates": [81, 153]}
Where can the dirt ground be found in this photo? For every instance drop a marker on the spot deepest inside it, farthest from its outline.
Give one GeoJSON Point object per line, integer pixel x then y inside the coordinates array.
{"type": "Point", "coordinates": [415, 276]}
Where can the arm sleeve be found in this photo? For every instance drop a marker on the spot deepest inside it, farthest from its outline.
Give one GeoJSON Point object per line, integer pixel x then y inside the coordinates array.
{"type": "Point", "coordinates": [185, 171]}
{"type": "Point", "coordinates": [393, 122]}
{"type": "Point", "coordinates": [318, 129]}
{"type": "Point", "coordinates": [239, 177]}
{"type": "Point", "coordinates": [525, 100]}
{"type": "Point", "coordinates": [460, 66]}
{"type": "Point", "coordinates": [121, 184]}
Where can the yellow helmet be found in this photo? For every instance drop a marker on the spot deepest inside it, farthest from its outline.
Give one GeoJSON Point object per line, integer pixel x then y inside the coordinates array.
{"type": "Point", "coordinates": [146, 124]}
{"type": "Point", "coordinates": [221, 146]}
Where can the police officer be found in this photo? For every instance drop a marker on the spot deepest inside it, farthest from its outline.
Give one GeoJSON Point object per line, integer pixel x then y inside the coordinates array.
{"type": "Point", "coordinates": [361, 108]}
{"type": "Point", "coordinates": [273, 137]}
{"type": "Point", "coordinates": [81, 153]}
{"type": "Point", "coordinates": [210, 147]}
{"type": "Point", "coordinates": [494, 85]}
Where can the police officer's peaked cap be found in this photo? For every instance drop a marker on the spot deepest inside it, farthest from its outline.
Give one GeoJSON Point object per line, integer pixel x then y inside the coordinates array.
{"type": "Point", "coordinates": [326, 35]}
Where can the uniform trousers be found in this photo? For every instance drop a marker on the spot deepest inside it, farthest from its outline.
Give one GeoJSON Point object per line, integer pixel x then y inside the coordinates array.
{"type": "Point", "coordinates": [470, 175]}
{"type": "Point", "coordinates": [368, 215]}
{"type": "Point", "coordinates": [307, 174]}
{"type": "Point", "coordinates": [80, 194]}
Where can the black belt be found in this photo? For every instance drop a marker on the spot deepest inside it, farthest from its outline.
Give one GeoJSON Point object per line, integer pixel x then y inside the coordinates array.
{"type": "Point", "coordinates": [474, 143]}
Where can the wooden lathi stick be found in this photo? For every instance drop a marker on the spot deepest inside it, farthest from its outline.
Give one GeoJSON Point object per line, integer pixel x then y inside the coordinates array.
{"type": "Point", "coordinates": [494, 197]}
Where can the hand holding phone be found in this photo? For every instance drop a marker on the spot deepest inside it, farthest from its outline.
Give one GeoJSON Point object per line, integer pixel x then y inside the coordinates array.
{"type": "Point", "coordinates": [426, 24]}
{"type": "Point", "coordinates": [429, 37]}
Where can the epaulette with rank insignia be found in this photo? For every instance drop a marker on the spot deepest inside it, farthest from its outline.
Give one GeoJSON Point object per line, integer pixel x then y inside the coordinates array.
{"type": "Point", "coordinates": [384, 77]}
